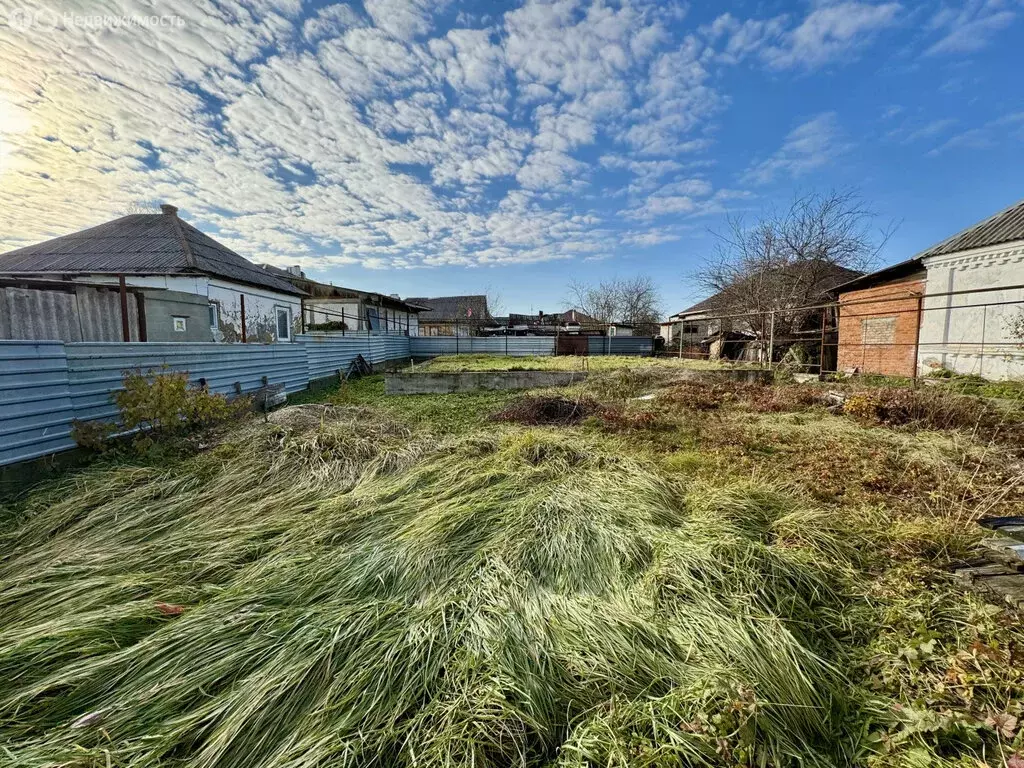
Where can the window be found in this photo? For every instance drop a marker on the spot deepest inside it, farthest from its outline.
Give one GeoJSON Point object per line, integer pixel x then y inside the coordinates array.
{"type": "Point", "coordinates": [284, 324]}
{"type": "Point", "coordinates": [690, 329]}
{"type": "Point", "coordinates": [180, 324]}
{"type": "Point", "coordinates": [214, 315]}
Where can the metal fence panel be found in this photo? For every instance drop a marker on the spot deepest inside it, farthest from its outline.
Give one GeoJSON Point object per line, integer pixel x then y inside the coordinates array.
{"type": "Point", "coordinates": [95, 370]}
{"type": "Point", "coordinates": [35, 401]}
{"type": "Point", "coordinates": [621, 345]}
{"type": "Point", "coordinates": [328, 353]}
{"type": "Point", "coordinates": [513, 346]}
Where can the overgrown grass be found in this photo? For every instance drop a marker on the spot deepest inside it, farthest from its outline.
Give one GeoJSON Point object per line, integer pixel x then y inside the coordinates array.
{"type": "Point", "coordinates": [479, 362]}
{"type": "Point", "coordinates": [404, 581]}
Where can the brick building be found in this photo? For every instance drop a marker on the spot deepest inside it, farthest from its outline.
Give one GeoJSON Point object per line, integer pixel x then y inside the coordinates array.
{"type": "Point", "coordinates": [879, 320]}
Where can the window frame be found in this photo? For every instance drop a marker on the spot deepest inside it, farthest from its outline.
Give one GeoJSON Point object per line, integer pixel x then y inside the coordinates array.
{"type": "Point", "coordinates": [184, 323]}
{"type": "Point", "coordinates": [287, 311]}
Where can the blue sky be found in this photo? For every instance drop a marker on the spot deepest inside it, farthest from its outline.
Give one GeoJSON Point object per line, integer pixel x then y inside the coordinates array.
{"type": "Point", "coordinates": [428, 148]}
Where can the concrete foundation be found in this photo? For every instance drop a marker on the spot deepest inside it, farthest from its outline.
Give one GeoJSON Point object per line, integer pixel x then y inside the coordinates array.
{"type": "Point", "coordinates": [474, 381]}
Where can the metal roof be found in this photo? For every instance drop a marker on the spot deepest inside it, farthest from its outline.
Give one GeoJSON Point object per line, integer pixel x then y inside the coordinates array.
{"type": "Point", "coordinates": [1004, 227]}
{"type": "Point", "coordinates": [140, 244]}
{"type": "Point", "coordinates": [452, 308]}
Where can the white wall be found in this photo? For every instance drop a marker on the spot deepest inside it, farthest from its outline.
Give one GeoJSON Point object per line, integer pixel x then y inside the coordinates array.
{"type": "Point", "coordinates": [959, 334]}
{"type": "Point", "coordinates": [261, 307]}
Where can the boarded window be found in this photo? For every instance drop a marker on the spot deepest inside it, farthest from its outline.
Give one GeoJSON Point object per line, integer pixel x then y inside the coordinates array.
{"type": "Point", "coordinates": [879, 330]}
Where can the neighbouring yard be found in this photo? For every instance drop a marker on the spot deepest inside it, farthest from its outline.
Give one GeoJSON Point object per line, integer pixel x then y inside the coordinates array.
{"type": "Point", "coordinates": [719, 575]}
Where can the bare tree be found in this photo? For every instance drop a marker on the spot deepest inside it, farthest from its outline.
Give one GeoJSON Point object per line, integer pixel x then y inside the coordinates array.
{"type": "Point", "coordinates": [634, 301]}
{"type": "Point", "coordinates": [790, 259]}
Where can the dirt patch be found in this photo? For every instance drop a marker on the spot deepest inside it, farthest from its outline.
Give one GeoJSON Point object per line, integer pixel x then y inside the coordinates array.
{"type": "Point", "coordinates": [549, 410]}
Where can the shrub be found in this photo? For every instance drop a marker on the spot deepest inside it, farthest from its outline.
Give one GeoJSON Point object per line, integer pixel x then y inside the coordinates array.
{"type": "Point", "coordinates": [157, 406]}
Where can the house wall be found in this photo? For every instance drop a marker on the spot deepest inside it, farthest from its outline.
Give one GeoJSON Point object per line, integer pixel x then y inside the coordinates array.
{"type": "Point", "coordinates": [878, 327]}
{"type": "Point", "coordinates": [958, 333]}
{"type": "Point", "coordinates": [260, 311]}
{"type": "Point", "coordinates": [162, 307]}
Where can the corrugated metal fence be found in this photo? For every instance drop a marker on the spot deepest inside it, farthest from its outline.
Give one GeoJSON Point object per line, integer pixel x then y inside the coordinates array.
{"type": "Point", "coordinates": [522, 346]}
{"type": "Point", "coordinates": [45, 385]}
{"type": "Point", "coordinates": [513, 346]}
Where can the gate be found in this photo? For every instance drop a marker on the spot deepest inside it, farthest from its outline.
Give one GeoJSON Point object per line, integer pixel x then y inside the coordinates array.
{"type": "Point", "coordinates": [572, 345]}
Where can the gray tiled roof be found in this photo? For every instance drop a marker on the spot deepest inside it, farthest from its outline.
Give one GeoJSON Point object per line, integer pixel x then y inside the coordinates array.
{"type": "Point", "coordinates": [142, 243]}
{"type": "Point", "coordinates": [445, 309]}
{"type": "Point", "coordinates": [1004, 227]}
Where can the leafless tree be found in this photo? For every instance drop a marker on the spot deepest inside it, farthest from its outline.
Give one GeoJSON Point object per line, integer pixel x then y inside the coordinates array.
{"type": "Point", "coordinates": [634, 301]}
{"type": "Point", "coordinates": [791, 258]}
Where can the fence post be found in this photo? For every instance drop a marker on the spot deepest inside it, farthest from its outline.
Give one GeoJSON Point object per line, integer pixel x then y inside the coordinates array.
{"type": "Point", "coordinates": [456, 338]}
{"type": "Point", "coordinates": [302, 315]}
{"type": "Point", "coordinates": [821, 348]}
{"type": "Point", "coordinates": [771, 340]}
{"type": "Point", "coordinates": [679, 339]}
{"type": "Point", "coordinates": [241, 302]}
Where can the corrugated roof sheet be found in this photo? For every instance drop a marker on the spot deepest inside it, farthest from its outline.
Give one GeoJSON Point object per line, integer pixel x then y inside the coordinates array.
{"type": "Point", "coordinates": [452, 308]}
{"type": "Point", "coordinates": [141, 243]}
{"type": "Point", "coordinates": [1004, 227]}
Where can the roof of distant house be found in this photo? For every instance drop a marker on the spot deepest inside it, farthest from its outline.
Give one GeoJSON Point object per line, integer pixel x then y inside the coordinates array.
{"type": "Point", "coordinates": [450, 309]}
{"type": "Point", "coordinates": [140, 244]}
{"type": "Point", "coordinates": [834, 275]}
{"type": "Point", "coordinates": [327, 292]}
{"type": "Point", "coordinates": [1006, 226]}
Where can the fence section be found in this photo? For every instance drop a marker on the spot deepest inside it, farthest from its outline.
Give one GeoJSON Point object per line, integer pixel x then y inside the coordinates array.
{"type": "Point", "coordinates": [511, 346]}
{"type": "Point", "coordinates": [35, 402]}
{"type": "Point", "coordinates": [621, 345]}
{"type": "Point", "coordinates": [327, 354]}
{"type": "Point", "coordinates": [95, 369]}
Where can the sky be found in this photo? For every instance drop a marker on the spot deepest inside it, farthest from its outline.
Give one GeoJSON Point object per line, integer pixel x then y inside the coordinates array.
{"type": "Point", "coordinates": [424, 147]}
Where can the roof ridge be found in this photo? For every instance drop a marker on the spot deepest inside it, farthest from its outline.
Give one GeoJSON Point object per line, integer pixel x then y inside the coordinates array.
{"type": "Point", "coordinates": [190, 258]}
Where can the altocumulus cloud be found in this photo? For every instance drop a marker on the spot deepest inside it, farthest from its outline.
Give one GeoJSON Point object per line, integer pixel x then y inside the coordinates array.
{"type": "Point", "coordinates": [383, 134]}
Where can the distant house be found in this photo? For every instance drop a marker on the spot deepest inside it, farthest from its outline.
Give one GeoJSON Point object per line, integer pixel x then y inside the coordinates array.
{"type": "Point", "coordinates": [571, 321]}
{"type": "Point", "coordinates": [336, 309]}
{"type": "Point", "coordinates": [142, 277]}
{"type": "Point", "coordinates": [452, 315]}
{"type": "Point", "coordinates": [723, 326]}
{"type": "Point", "coordinates": [952, 306]}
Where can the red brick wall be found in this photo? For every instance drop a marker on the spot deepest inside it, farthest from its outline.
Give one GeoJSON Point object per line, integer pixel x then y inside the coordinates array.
{"type": "Point", "coordinates": [878, 328]}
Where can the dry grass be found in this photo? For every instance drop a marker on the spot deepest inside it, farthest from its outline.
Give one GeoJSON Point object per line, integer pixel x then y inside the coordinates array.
{"type": "Point", "coordinates": [380, 582]}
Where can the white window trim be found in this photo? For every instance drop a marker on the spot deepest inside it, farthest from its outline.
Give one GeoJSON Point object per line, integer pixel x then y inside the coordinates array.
{"type": "Point", "coordinates": [277, 318]}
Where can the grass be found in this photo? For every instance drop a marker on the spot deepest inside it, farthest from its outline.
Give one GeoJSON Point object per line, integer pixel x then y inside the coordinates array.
{"type": "Point", "coordinates": [708, 578]}
{"type": "Point", "coordinates": [479, 362]}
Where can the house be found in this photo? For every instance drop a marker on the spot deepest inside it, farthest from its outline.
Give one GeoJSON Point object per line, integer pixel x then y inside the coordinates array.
{"type": "Point", "coordinates": [336, 309]}
{"type": "Point", "coordinates": [571, 321]}
{"type": "Point", "coordinates": [452, 315]}
{"type": "Point", "coordinates": [143, 277]}
{"type": "Point", "coordinates": [956, 306]}
{"type": "Point", "coordinates": [761, 318]}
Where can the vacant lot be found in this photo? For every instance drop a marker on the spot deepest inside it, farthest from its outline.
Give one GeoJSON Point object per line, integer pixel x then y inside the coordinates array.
{"type": "Point", "coordinates": [720, 575]}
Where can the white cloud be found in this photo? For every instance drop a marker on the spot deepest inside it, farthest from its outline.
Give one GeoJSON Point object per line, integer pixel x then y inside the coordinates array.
{"type": "Point", "coordinates": [808, 147]}
{"type": "Point", "coordinates": [969, 26]}
{"type": "Point", "coordinates": [830, 32]}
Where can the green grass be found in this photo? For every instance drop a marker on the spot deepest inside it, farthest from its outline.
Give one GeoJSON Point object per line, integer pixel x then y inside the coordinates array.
{"type": "Point", "coordinates": [365, 580]}
{"type": "Point", "coordinates": [479, 362]}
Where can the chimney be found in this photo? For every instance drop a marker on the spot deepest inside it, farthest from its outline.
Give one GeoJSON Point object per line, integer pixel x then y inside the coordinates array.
{"type": "Point", "coordinates": [169, 210]}
{"type": "Point", "coordinates": [295, 270]}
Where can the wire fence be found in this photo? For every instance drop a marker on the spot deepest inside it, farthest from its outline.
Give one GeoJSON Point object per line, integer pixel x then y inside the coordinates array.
{"type": "Point", "coordinates": [896, 331]}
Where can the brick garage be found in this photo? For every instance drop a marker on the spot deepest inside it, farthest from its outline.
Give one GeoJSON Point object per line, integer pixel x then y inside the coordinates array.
{"type": "Point", "coordinates": [879, 325]}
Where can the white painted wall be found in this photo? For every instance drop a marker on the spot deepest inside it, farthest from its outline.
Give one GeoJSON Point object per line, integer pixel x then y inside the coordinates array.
{"type": "Point", "coordinates": [261, 307]}
{"type": "Point", "coordinates": [957, 333]}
